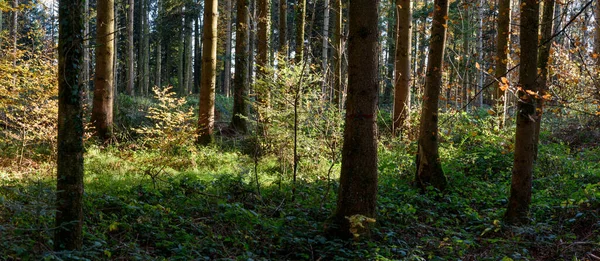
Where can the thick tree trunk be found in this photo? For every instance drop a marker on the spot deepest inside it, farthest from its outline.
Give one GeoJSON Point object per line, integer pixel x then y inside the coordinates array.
{"type": "Point", "coordinates": [240, 84]}
{"type": "Point", "coordinates": [206, 115]}
{"type": "Point", "coordinates": [358, 179]}
{"type": "Point", "coordinates": [130, 76]}
{"type": "Point", "coordinates": [300, 23]}
{"type": "Point", "coordinates": [502, 51]}
{"type": "Point", "coordinates": [102, 110]}
{"type": "Point", "coordinates": [429, 167]}
{"type": "Point", "coordinates": [547, 26]}
{"type": "Point", "coordinates": [227, 67]}
{"type": "Point", "coordinates": [520, 190]}
{"type": "Point", "coordinates": [69, 195]}
{"type": "Point", "coordinates": [283, 44]}
{"type": "Point", "coordinates": [402, 61]}
{"type": "Point", "coordinates": [262, 59]}
{"type": "Point", "coordinates": [338, 52]}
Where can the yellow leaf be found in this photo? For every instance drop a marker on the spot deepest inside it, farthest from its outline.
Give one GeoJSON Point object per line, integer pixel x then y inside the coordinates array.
{"type": "Point", "coordinates": [504, 80]}
{"type": "Point", "coordinates": [477, 66]}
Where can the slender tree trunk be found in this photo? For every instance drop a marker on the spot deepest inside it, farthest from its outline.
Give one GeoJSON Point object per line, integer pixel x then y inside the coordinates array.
{"type": "Point", "coordinates": [2, 29]}
{"type": "Point", "coordinates": [130, 77]}
{"type": "Point", "coordinates": [141, 20]}
{"type": "Point", "coordinates": [181, 84]}
{"type": "Point", "coordinates": [479, 98]}
{"type": "Point", "coordinates": [69, 190]}
{"type": "Point", "coordinates": [337, 53]}
{"type": "Point", "coordinates": [146, 64]}
{"type": "Point", "coordinates": [14, 31]}
{"type": "Point", "coordinates": [520, 190]}
{"type": "Point", "coordinates": [358, 179]}
{"type": "Point", "coordinates": [547, 26]}
{"type": "Point", "coordinates": [283, 44]}
{"type": "Point", "coordinates": [402, 61]}
{"type": "Point", "coordinates": [197, 56]}
{"type": "Point", "coordinates": [502, 52]}
{"type": "Point", "coordinates": [391, 51]}
{"type": "Point", "coordinates": [227, 69]}
{"type": "Point", "coordinates": [102, 110]}
{"type": "Point", "coordinates": [206, 115]}
{"type": "Point", "coordinates": [597, 40]}
{"type": "Point", "coordinates": [158, 69]}
{"type": "Point", "coordinates": [188, 78]}
{"type": "Point", "coordinates": [240, 84]}
{"type": "Point", "coordinates": [466, 55]}
{"type": "Point", "coordinates": [252, 42]}
{"type": "Point", "coordinates": [300, 23]}
{"type": "Point", "coordinates": [262, 59]}
{"type": "Point", "coordinates": [429, 167]}
{"type": "Point", "coordinates": [324, 53]}
{"type": "Point", "coordinates": [85, 70]}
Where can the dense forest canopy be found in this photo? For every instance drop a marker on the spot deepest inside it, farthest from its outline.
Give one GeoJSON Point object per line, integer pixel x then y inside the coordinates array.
{"type": "Point", "coordinates": [299, 130]}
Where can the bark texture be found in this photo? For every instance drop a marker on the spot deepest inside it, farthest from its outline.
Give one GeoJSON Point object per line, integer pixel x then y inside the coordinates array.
{"type": "Point", "coordinates": [283, 44]}
{"type": "Point", "coordinates": [402, 61]}
{"type": "Point", "coordinates": [102, 107]}
{"type": "Point", "coordinates": [542, 79]}
{"type": "Point", "coordinates": [240, 84]}
{"type": "Point", "coordinates": [337, 53]}
{"type": "Point", "coordinates": [69, 189]}
{"type": "Point", "coordinates": [429, 167]}
{"type": "Point", "coordinates": [227, 64]}
{"type": "Point", "coordinates": [520, 189]}
{"type": "Point", "coordinates": [206, 115]}
{"type": "Point", "coordinates": [358, 179]}
{"type": "Point", "coordinates": [300, 23]}
{"type": "Point", "coordinates": [502, 47]}
{"type": "Point", "coordinates": [130, 74]}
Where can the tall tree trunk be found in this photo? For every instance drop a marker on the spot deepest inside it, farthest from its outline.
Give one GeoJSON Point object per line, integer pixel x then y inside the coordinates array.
{"type": "Point", "coordinates": [206, 115]}
{"type": "Point", "coordinates": [85, 70]}
{"type": "Point", "coordinates": [252, 42]}
{"type": "Point", "coordinates": [130, 77]}
{"type": "Point", "coordinates": [429, 167]}
{"type": "Point", "coordinates": [146, 44]}
{"type": "Point", "coordinates": [402, 61]}
{"type": "Point", "coordinates": [283, 44]}
{"type": "Point", "coordinates": [358, 178]}
{"type": "Point", "coordinates": [324, 53]}
{"type": "Point", "coordinates": [197, 56]}
{"type": "Point", "coordinates": [240, 84]}
{"type": "Point", "coordinates": [102, 110]}
{"type": "Point", "coordinates": [227, 68]}
{"type": "Point", "coordinates": [542, 64]}
{"type": "Point", "coordinates": [392, 24]}
{"type": "Point", "coordinates": [69, 190]}
{"type": "Point", "coordinates": [181, 84]}
{"type": "Point", "coordinates": [262, 59]}
{"type": "Point", "coordinates": [1, 29]}
{"type": "Point", "coordinates": [520, 190]}
{"type": "Point", "coordinates": [502, 51]}
{"type": "Point", "coordinates": [14, 31]}
{"type": "Point", "coordinates": [597, 40]}
{"type": "Point", "coordinates": [140, 45]}
{"type": "Point", "coordinates": [338, 52]}
{"type": "Point", "coordinates": [188, 77]}
{"type": "Point", "coordinates": [158, 66]}
{"type": "Point", "coordinates": [466, 30]}
{"type": "Point", "coordinates": [300, 23]}
{"type": "Point", "coordinates": [479, 74]}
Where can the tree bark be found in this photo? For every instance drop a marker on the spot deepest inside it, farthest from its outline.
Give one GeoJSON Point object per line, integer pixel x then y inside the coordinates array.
{"type": "Point", "coordinates": [197, 56]}
{"type": "Point", "coordinates": [85, 70]}
{"type": "Point", "coordinates": [358, 179]}
{"type": "Point", "coordinates": [240, 84]}
{"type": "Point", "coordinates": [69, 195]}
{"type": "Point", "coordinates": [188, 77]}
{"type": "Point", "coordinates": [324, 52]}
{"type": "Point", "coordinates": [502, 50]}
{"type": "Point", "coordinates": [402, 61]}
{"type": "Point", "coordinates": [262, 59]}
{"type": "Point", "coordinates": [337, 53]}
{"type": "Point", "coordinates": [300, 23]}
{"type": "Point", "coordinates": [392, 35]}
{"type": "Point", "coordinates": [547, 26]}
{"type": "Point", "coordinates": [130, 76]}
{"type": "Point", "coordinates": [520, 190]}
{"type": "Point", "coordinates": [158, 68]}
{"type": "Point", "coordinates": [146, 51]}
{"type": "Point", "coordinates": [227, 67]}
{"type": "Point", "coordinates": [102, 110]}
{"type": "Point", "coordinates": [206, 115]}
{"type": "Point", "coordinates": [429, 167]}
{"type": "Point", "coordinates": [597, 40]}
{"type": "Point", "coordinates": [283, 44]}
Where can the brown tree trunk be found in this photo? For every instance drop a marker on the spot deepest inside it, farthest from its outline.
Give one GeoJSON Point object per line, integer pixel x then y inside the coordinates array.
{"type": "Point", "coordinates": [300, 23]}
{"type": "Point", "coordinates": [146, 51]}
{"type": "Point", "coordinates": [85, 70]}
{"type": "Point", "coordinates": [324, 52]}
{"type": "Point", "coordinates": [337, 53]}
{"type": "Point", "coordinates": [283, 44]}
{"type": "Point", "coordinates": [392, 35]}
{"type": "Point", "coordinates": [206, 115]}
{"type": "Point", "coordinates": [158, 68]}
{"type": "Point", "coordinates": [69, 189]}
{"type": "Point", "coordinates": [520, 190]}
{"type": "Point", "coordinates": [227, 65]}
{"type": "Point", "coordinates": [358, 179]}
{"type": "Point", "coordinates": [102, 110]}
{"type": "Point", "coordinates": [402, 61]}
{"type": "Point", "coordinates": [597, 40]}
{"type": "Point", "coordinates": [262, 59]}
{"type": "Point", "coordinates": [130, 76]}
{"type": "Point", "coordinates": [187, 55]}
{"type": "Point", "coordinates": [429, 167]}
{"type": "Point", "coordinates": [502, 50]}
{"type": "Point", "coordinates": [547, 26]}
{"type": "Point", "coordinates": [240, 84]}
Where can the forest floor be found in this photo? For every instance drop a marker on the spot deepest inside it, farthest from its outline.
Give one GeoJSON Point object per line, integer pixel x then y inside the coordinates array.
{"type": "Point", "coordinates": [142, 203]}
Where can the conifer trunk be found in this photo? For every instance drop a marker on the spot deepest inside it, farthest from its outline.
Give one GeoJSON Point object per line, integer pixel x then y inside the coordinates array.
{"type": "Point", "coordinates": [429, 167]}
{"type": "Point", "coordinates": [502, 50]}
{"type": "Point", "coordinates": [240, 84]}
{"type": "Point", "coordinates": [206, 115]}
{"type": "Point", "coordinates": [337, 53]}
{"type": "Point", "coordinates": [130, 76]}
{"type": "Point", "coordinates": [283, 45]}
{"type": "Point", "coordinates": [300, 23]}
{"type": "Point", "coordinates": [102, 110]}
{"type": "Point", "coordinates": [227, 65]}
{"type": "Point", "coordinates": [402, 61]}
{"type": "Point", "coordinates": [547, 26]}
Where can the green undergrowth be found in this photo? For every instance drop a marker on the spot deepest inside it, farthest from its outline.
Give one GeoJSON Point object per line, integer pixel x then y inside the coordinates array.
{"type": "Point", "coordinates": [195, 203]}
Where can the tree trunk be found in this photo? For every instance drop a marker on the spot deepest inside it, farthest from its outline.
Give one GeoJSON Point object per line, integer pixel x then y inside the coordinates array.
{"type": "Point", "coordinates": [597, 40]}
{"type": "Point", "coordinates": [69, 189]}
{"type": "Point", "coordinates": [262, 59]}
{"type": "Point", "coordinates": [252, 42]}
{"type": "Point", "coordinates": [429, 167]}
{"type": "Point", "coordinates": [102, 110]}
{"type": "Point", "coordinates": [130, 77]}
{"type": "Point", "coordinates": [520, 190]}
{"type": "Point", "coordinates": [206, 115]}
{"type": "Point", "coordinates": [188, 77]}
{"type": "Point", "coordinates": [181, 84]}
{"type": "Point", "coordinates": [300, 23]}
{"type": "Point", "coordinates": [337, 54]}
{"type": "Point", "coordinates": [479, 74]}
{"type": "Point", "coordinates": [466, 55]}
{"type": "Point", "coordinates": [197, 56]}
{"type": "Point", "coordinates": [85, 70]}
{"type": "Point", "coordinates": [227, 68]}
{"type": "Point", "coordinates": [283, 44]}
{"type": "Point", "coordinates": [547, 26]}
{"type": "Point", "coordinates": [502, 50]}
{"type": "Point", "coordinates": [240, 84]}
{"type": "Point", "coordinates": [402, 61]}
{"type": "Point", "coordinates": [146, 50]}
{"type": "Point", "coordinates": [392, 24]}
{"type": "Point", "coordinates": [324, 53]}
{"type": "Point", "coordinates": [158, 69]}
{"type": "Point", "coordinates": [358, 178]}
